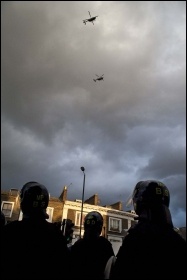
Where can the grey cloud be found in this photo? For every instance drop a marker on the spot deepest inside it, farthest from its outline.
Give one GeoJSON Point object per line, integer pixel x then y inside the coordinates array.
{"type": "Point", "coordinates": [55, 118]}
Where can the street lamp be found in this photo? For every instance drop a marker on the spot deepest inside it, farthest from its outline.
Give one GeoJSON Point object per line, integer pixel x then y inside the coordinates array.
{"type": "Point", "coordinates": [69, 185]}
{"type": "Point", "coordinates": [83, 169]}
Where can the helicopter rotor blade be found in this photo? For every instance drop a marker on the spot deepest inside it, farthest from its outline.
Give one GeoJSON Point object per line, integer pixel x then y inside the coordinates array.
{"type": "Point", "coordinates": [97, 75]}
{"type": "Point", "coordinates": [89, 13]}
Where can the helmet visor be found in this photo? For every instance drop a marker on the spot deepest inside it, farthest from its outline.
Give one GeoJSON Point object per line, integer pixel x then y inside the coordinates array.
{"type": "Point", "coordinates": [129, 202]}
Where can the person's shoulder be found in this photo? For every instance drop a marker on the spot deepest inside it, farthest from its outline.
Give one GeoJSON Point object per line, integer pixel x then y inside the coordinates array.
{"type": "Point", "coordinates": [176, 236]}
{"type": "Point", "coordinates": [11, 225]}
{"type": "Point", "coordinates": [136, 231]}
{"type": "Point", "coordinates": [140, 233]}
{"type": "Point", "coordinates": [103, 240]}
{"type": "Point", "coordinates": [54, 236]}
{"type": "Point", "coordinates": [141, 226]}
{"type": "Point", "coordinates": [51, 227]}
{"type": "Point", "coordinates": [149, 231]}
{"type": "Point", "coordinates": [146, 228]}
{"type": "Point", "coordinates": [78, 243]}
{"type": "Point", "coordinates": [13, 228]}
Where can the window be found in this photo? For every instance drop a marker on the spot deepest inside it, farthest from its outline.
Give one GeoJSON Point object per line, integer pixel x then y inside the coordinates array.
{"type": "Point", "coordinates": [78, 218]}
{"type": "Point", "coordinates": [20, 215]}
{"type": "Point", "coordinates": [7, 208]}
{"type": "Point", "coordinates": [125, 223]}
{"type": "Point", "coordinates": [14, 192]}
{"type": "Point", "coordinates": [132, 223]}
{"type": "Point", "coordinates": [49, 211]}
{"type": "Point", "coordinates": [115, 224]}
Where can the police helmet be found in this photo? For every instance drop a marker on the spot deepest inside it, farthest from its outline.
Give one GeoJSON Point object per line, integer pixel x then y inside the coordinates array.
{"type": "Point", "coordinates": [34, 198]}
{"type": "Point", "coordinates": [148, 194]}
{"type": "Point", "coordinates": [93, 220]}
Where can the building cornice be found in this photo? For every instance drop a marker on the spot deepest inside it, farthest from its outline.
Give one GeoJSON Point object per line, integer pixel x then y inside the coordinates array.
{"type": "Point", "coordinates": [104, 210]}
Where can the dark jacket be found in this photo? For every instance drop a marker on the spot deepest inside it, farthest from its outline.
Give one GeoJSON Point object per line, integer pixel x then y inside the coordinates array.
{"type": "Point", "coordinates": [33, 250]}
{"type": "Point", "coordinates": [89, 258]}
{"type": "Point", "coordinates": [151, 252]}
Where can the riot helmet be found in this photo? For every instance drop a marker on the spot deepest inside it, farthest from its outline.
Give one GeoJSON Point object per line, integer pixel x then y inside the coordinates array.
{"type": "Point", "coordinates": [149, 194]}
{"type": "Point", "coordinates": [93, 224]}
{"type": "Point", "coordinates": [34, 199]}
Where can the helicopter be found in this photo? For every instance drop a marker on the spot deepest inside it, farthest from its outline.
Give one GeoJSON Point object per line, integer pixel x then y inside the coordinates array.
{"type": "Point", "coordinates": [91, 19]}
{"type": "Point", "coordinates": [99, 78]}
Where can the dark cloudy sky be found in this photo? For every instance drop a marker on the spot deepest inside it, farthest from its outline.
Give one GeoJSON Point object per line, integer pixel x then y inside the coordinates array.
{"type": "Point", "coordinates": [55, 118]}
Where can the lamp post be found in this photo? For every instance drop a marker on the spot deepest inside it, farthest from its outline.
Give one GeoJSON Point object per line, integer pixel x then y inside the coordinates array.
{"type": "Point", "coordinates": [83, 169]}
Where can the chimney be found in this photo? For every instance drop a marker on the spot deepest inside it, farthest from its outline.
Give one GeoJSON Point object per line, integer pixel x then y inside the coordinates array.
{"type": "Point", "coordinates": [93, 200]}
{"type": "Point", "coordinates": [117, 205]}
{"type": "Point", "coordinates": [63, 196]}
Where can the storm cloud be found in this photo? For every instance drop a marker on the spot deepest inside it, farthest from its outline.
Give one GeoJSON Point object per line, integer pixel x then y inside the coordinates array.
{"type": "Point", "coordinates": [55, 118]}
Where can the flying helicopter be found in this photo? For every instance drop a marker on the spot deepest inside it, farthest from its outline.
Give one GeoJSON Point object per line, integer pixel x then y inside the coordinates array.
{"type": "Point", "coordinates": [91, 19]}
{"type": "Point", "coordinates": [99, 78]}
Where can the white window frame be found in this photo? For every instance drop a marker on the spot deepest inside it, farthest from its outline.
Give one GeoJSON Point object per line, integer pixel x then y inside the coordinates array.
{"type": "Point", "coordinates": [7, 202]}
{"type": "Point", "coordinates": [14, 190]}
{"type": "Point", "coordinates": [78, 217]}
{"type": "Point", "coordinates": [110, 224]}
{"type": "Point", "coordinates": [50, 216]}
{"type": "Point", "coordinates": [20, 215]}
